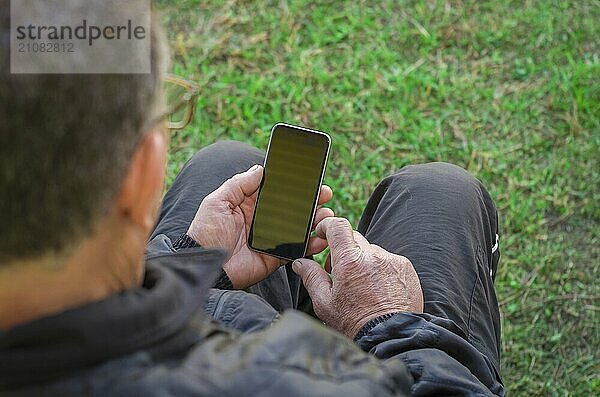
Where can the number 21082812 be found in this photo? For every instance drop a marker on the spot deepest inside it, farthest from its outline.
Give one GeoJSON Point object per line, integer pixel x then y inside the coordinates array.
{"type": "Point", "coordinates": [46, 47]}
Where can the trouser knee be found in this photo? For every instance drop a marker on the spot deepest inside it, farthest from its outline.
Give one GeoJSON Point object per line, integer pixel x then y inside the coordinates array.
{"type": "Point", "coordinates": [224, 158]}
{"type": "Point", "coordinates": [438, 176]}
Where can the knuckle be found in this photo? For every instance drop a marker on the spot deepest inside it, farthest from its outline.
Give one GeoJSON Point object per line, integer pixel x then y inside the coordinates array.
{"type": "Point", "coordinates": [341, 223]}
{"type": "Point", "coordinates": [400, 263]}
{"type": "Point", "coordinates": [336, 234]}
{"type": "Point", "coordinates": [378, 256]}
{"type": "Point", "coordinates": [351, 258]}
{"type": "Point", "coordinates": [382, 255]}
{"type": "Point", "coordinates": [399, 260]}
{"type": "Point", "coordinates": [215, 194]}
{"type": "Point", "coordinates": [235, 179]}
{"type": "Point", "coordinates": [210, 200]}
{"type": "Point", "coordinates": [356, 256]}
{"type": "Point", "coordinates": [405, 261]}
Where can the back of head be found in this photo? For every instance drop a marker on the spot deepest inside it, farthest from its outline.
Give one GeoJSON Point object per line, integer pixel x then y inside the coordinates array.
{"type": "Point", "coordinates": [65, 143]}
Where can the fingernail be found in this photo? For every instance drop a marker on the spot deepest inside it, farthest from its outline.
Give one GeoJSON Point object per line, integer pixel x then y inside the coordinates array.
{"type": "Point", "coordinates": [253, 168]}
{"type": "Point", "coordinates": [295, 265]}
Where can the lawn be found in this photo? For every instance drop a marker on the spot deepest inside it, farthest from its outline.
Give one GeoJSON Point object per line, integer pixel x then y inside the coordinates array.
{"type": "Point", "coordinates": [510, 90]}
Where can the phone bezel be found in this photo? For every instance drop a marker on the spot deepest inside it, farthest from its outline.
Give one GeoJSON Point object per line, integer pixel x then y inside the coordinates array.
{"type": "Point", "coordinates": [316, 200]}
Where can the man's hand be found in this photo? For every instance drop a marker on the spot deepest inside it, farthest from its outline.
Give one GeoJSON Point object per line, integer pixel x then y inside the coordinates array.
{"type": "Point", "coordinates": [366, 280]}
{"type": "Point", "coordinates": [224, 219]}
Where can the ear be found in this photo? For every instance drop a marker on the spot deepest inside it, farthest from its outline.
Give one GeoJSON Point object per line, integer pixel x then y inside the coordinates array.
{"type": "Point", "coordinates": [144, 181]}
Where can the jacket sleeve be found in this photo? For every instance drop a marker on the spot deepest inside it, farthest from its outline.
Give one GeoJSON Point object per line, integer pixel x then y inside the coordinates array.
{"type": "Point", "coordinates": [298, 357]}
{"type": "Point", "coordinates": [440, 360]}
{"type": "Point", "coordinates": [294, 357]}
{"type": "Point", "coordinates": [162, 245]}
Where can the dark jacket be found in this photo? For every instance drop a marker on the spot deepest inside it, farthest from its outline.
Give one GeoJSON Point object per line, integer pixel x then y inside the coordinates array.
{"type": "Point", "coordinates": [156, 340]}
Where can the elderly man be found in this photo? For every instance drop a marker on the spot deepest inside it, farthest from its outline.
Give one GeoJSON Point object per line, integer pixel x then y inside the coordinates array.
{"type": "Point", "coordinates": [90, 305]}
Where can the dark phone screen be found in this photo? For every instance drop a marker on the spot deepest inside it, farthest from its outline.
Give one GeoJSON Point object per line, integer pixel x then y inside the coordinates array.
{"type": "Point", "coordinates": [292, 176]}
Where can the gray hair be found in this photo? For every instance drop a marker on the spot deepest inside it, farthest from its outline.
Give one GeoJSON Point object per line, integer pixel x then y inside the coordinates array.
{"type": "Point", "coordinates": [65, 144]}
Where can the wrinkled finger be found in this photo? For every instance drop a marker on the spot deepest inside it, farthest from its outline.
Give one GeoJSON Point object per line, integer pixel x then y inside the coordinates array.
{"type": "Point", "coordinates": [338, 233]}
{"type": "Point", "coordinates": [316, 280]}
{"type": "Point", "coordinates": [240, 186]}
{"type": "Point", "coordinates": [360, 240]}
{"type": "Point", "coordinates": [321, 214]}
{"type": "Point", "coordinates": [316, 245]}
{"type": "Point", "coordinates": [325, 194]}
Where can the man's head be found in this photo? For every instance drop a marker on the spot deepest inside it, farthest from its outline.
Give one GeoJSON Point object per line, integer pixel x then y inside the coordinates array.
{"type": "Point", "coordinates": [74, 149]}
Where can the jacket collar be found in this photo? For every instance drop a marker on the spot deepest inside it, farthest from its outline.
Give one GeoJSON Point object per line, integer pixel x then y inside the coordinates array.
{"type": "Point", "coordinates": [173, 291]}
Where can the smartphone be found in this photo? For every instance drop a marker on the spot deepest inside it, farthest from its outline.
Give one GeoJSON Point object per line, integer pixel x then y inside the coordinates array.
{"type": "Point", "coordinates": [289, 191]}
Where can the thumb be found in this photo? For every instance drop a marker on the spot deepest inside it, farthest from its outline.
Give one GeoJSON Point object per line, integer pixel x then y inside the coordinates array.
{"type": "Point", "coordinates": [249, 181]}
{"type": "Point", "coordinates": [315, 279]}
{"type": "Point", "coordinates": [240, 186]}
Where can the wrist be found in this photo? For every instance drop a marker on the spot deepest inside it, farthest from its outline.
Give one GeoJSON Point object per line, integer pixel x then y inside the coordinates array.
{"type": "Point", "coordinates": [194, 236]}
{"type": "Point", "coordinates": [234, 278]}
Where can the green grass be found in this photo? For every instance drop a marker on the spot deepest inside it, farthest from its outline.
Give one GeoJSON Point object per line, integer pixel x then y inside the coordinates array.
{"type": "Point", "coordinates": [510, 90]}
